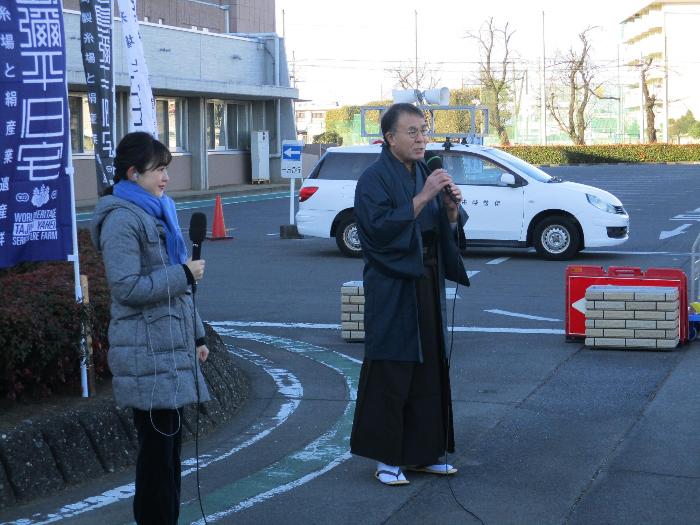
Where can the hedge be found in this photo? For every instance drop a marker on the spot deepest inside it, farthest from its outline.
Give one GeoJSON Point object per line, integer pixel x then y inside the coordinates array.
{"type": "Point", "coordinates": [40, 325]}
{"type": "Point", "coordinates": [608, 153]}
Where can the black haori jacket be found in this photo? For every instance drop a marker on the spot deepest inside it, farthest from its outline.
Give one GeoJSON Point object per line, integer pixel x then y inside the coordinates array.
{"type": "Point", "coordinates": [392, 248]}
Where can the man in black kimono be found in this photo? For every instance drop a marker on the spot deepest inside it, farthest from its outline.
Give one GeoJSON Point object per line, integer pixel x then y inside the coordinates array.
{"type": "Point", "coordinates": [410, 231]}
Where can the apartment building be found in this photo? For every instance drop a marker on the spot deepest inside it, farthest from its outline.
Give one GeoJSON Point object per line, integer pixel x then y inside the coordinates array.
{"type": "Point", "coordinates": [661, 33]}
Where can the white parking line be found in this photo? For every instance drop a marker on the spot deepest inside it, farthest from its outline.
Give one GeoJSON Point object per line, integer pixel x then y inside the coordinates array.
{"type": "Point", "coordinates": [523, 316]}
{"type": "Point", "coordinates": [496, 330]}
{"type": "Point", "coordinates": [318, 326]}
{"type": "Point", "coordinates": [499, 260]}
{"type": "Point", "coordinates": [665, 234]}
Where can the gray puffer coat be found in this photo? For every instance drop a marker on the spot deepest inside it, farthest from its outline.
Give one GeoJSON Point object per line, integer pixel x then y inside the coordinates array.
{"type": "Point", "coordinates": [152, 331]}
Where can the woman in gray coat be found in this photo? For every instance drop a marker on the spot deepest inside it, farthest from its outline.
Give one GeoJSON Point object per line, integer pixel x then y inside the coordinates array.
{"type": "Point", "coordinates": [155, 335]}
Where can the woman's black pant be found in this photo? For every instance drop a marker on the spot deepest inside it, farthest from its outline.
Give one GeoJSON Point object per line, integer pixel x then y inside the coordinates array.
{"type": "Point", "coordinates": [157, 498]}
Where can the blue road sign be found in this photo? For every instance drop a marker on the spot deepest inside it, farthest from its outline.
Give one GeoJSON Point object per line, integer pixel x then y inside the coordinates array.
{"type": "Point", "coordinates": [291, 152]}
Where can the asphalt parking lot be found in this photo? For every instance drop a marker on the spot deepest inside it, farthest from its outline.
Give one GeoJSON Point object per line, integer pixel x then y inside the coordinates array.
{"type": "Point", "coordinates": [547, 431]}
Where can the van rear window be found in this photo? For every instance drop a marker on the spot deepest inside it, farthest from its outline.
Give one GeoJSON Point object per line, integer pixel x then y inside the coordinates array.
{"type": "Point", "coordinates": [343, 166]}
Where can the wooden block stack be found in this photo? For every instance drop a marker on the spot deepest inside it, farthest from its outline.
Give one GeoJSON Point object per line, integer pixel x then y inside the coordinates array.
{"type": "Point", "coordinates": [632, 317]}
{"type": "Point", "coordinates": [352, 311]}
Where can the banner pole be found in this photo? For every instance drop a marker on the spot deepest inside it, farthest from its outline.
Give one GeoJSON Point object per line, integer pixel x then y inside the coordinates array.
{"type": "Point", "coordinates": [75, 256]}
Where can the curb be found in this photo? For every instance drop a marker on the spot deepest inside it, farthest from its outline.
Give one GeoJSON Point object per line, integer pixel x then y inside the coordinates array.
{"type": "Point", "coordinates": [51, 453]}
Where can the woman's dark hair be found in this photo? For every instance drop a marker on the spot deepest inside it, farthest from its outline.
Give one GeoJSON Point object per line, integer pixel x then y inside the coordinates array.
{"type": "Point", "coordinates": [392, 115]}
{"type": "Point", "coordinates": [140, 150]}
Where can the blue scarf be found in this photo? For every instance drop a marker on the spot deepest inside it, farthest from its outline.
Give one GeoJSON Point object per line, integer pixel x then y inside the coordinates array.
{"type": "Point", "coordinates": [163, 209]}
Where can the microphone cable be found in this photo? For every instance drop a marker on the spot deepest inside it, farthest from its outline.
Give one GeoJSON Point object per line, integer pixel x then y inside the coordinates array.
{"type": "Point", "coordinates": [449, 399]}
{"type": "Point", "coordinates": [196, 382]}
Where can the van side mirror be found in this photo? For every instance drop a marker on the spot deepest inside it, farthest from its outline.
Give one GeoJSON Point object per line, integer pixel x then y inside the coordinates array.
{"type": "Point", "coordinates": [507, 179]}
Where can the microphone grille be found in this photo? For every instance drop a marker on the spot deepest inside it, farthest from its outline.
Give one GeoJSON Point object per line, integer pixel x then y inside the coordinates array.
{"type": "Point", "coordinates": [433, 160]}
{"type": "Point", "coordinates": [198, 227]}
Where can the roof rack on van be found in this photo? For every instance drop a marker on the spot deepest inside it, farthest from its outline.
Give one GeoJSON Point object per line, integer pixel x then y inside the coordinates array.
{"type": "Point", "coordinates": [473, 136]}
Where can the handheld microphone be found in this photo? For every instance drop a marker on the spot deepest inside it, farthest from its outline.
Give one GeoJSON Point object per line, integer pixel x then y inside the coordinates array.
{"type": "Point", "coordinates": [198, 232]}
{"type": "Point", "coordinates": [434, 162]}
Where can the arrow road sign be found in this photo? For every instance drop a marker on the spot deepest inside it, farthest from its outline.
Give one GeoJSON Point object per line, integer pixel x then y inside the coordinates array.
{"type": "Point", "coordinates": [291, 152]}
{"type": "Point", "coordinates": [291, 159]}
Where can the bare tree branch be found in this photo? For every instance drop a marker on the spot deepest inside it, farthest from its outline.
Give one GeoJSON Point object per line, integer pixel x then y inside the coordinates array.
{"type": "Point", "coordinates": [649, 99]}
{"type": "Point", "coordinates": [577, 76]}
{"type": "Point", "coordinates": [493, 72]}
{"type": "Point", "coordinates": [405, 77]}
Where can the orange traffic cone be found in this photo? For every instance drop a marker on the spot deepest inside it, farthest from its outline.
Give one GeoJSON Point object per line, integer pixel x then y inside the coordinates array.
{"type": "Point", "coordinates": [218, 230]}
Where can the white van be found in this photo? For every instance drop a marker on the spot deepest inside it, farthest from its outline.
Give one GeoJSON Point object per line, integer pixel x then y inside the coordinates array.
{"type": "Point", "coordinates": [510, 202]}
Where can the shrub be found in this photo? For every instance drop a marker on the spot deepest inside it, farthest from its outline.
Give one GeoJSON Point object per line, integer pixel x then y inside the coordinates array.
{"type": "Point", "coordinates": [40, 324]}
{"type": "Point", "coordinates": [328, 137]}
{"type": "Point", "coordinates": [608, 153]}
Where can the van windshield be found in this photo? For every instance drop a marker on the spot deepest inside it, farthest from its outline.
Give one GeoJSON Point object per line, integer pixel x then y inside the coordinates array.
{"type": "Point", "coordinates": [520, 164]}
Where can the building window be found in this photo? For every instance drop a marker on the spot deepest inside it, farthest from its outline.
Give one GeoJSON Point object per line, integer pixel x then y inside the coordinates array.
{"type": "Point", "coordinates": [170, 115]}
{"type": "Point", "coordinates": [228, 125]}
{"type": "Point", "coordinates": [80, 127]}
{"type": "Point", "coordinates": [317, 115]}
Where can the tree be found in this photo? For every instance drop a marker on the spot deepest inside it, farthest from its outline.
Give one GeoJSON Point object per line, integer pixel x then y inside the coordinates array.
{"type": "Point", "coordinates": [494, 52]}
{"type": "Point", "coordinates": [405, 77]}
{"type": "Point", "coordinates": [681, 126]}
{"type": "Point", "coordinates": [328, 137]}
{"type": "Point", "coordinates": [694, 130]}
{"type": "Point", "coordinates": [577, 87]}
{"type": "Point", "coordinates": [649, 100]}
{"type": "Point", "coordinates": [458, 121]}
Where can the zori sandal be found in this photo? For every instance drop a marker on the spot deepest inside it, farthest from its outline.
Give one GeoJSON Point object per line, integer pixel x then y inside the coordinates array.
{"type": "Point", "coordinates": [388, 477]}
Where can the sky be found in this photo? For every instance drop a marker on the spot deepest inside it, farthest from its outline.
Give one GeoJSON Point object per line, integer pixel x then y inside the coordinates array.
{"type": "Point", "coordinates": [344, 51]}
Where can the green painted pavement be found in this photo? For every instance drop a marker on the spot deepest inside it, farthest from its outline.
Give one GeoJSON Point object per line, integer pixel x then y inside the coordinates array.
{"type": "Point", "coordinates": [297, 468]}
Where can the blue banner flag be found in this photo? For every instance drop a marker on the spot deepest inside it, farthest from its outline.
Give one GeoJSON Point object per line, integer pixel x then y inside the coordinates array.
{"type": "Point", "coordinates": [35, 193]}
{"type": "Point", "coordinates": [96, 48]}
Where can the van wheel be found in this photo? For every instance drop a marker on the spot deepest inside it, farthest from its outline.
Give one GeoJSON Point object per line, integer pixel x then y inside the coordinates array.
{"type": "Point", "coordinates": [347, 239]}
{"type": "Point", "coordinates": [556, 238]}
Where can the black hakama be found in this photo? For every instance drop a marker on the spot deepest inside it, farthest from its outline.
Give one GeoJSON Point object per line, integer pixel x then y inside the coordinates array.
{"type": "Point", "coordinates": [403, 414]}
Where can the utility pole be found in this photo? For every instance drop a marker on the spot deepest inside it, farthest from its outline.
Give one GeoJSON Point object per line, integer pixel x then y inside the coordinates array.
{"type": "Point", "coordinates": [666, 134]}
{"type": "Point", "coordinates": [641, 98]}
{"type": "Point", "coordinates": [516, 100]}
{"type": "Point", "coordinates": [620, 125]}
{"type": "Point", "coordinates": [415, 13]}
{"type": "Point", "coordinates": [543, 97]}
{"type": "Point", "coordinates": [283, 25]}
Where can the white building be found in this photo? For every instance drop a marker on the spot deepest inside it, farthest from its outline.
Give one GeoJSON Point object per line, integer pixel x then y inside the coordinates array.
{"type": "Point", "coordinates": [663, 32]}
{"type": "Point", "coordinates": [311, 119]}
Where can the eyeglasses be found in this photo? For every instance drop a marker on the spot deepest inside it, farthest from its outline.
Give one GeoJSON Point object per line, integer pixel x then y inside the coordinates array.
{"type": "Point", "coordinates": [413, 132]}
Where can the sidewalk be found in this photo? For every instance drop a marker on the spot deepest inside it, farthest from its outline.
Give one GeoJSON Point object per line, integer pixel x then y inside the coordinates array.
{"type": "Point", "coordinates": [602, 441]}
{"type": "Point", "coordinates": [87, 205]}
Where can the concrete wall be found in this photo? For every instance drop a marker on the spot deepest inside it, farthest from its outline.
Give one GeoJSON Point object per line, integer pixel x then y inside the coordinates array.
{"type": "Point", "coordinates": [86, 181]}
{"type": "Point", "coordinates": [308, 161]}
{"type": "Point", "coordinates": [188, 61]}
{"type": "Point", "coordinates": [180, 172]}
{"type": "Point", "coordinates": [228, 168]}
{"type": "Point", "coordinates": [252, 16]}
